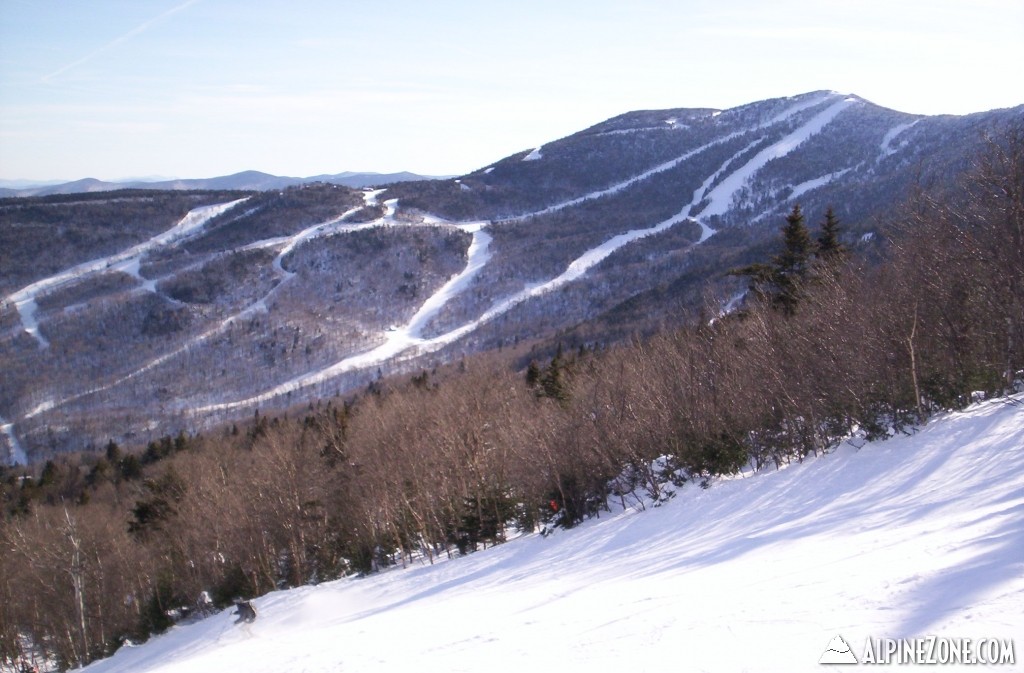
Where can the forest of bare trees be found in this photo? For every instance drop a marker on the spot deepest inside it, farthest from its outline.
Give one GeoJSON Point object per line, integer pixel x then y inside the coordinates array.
{"type": "Point", "coordinates": [97, 550]}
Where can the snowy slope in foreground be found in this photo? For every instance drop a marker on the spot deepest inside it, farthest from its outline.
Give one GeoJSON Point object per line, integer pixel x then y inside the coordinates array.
{"type": "Point", "coordinates": [916, 536]}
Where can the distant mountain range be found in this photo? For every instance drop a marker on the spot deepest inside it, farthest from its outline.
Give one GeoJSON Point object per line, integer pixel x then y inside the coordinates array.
{"type": "Point", "coordinates": [142, 315]}
{"type": "Point", "coordinates": [246, 180]}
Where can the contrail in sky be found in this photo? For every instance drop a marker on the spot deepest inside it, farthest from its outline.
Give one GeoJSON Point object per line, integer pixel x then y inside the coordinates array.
{"type": "Point", "coordinates": [142, 27]}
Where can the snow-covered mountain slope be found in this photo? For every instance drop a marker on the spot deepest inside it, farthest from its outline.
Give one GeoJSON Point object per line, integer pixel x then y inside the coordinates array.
{"type": "Point", "coordinates": [311, 292]}
{"type": "Point", "coordinates": [918, 536]}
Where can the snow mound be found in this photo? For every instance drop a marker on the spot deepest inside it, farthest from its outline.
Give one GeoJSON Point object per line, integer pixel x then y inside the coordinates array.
{"type": "Point", "coordinates": [916, 536]}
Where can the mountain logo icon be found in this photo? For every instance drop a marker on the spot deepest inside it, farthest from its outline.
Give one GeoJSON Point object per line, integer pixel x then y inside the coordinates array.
{"type": "Point", "coordinates": [838, 652]}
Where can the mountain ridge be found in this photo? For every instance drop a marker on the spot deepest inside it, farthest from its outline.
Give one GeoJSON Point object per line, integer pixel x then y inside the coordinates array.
{"type": "Point", "coordinates": [244, 180]}
{"type": "Point", "coordinates": [311, 291]}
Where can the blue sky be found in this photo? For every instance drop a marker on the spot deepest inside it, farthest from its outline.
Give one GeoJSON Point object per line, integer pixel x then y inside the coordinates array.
{"type": "Point", "coordinates": [196, 88]}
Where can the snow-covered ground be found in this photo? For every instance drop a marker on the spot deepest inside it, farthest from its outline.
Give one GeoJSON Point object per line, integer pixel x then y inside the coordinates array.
{"type": "Point", "coordinates": [918, 536]}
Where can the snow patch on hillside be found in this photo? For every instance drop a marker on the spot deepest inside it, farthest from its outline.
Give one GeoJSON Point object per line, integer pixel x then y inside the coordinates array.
{"type": "Point", "coordinates": [916, 536]}
{"type": "Point", "coordinates": [16, 454]}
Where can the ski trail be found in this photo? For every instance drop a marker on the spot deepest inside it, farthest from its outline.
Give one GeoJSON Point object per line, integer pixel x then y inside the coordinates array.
{"type": "Point", "coordinates": [258, 306]}
{"type": "Point", "coordinates": [721, 197]}
{"type": "Point", "coordinates": [701, 192]}
{"type": "Point", "coordinates": [477, 255]}
{"type": "Point", "coordinates": [319, 230]}
{"type": "Point", "coordinates": [407, 342]}
{"type": "Point", "coordinates": [289, 243]}
{"type": "Point", "coordinates": [671, 124]}
{"type": "Point", "coordinates": [660, 168]}
{"type": "Point", "coordinates": [17, 455]}
{"type": "Point", "coordinates": [886, 149]}
{"type": "Point", "coordinates": [591, 258]}
{"type": "Point", "coordinates": [27, 307]}
{"type": "Point", "coordinates": [155, 362]}
{"type": "Point", "coordinates": [672, 163]}
{"type": "Point", "coordinates": [916, 535]}
{"type": "Point", "coordinates": [804, 187]}
{"type": "Point", "coordinates": [397, 341]}
{"type": "Point", "coordinates": [337, 226]}
{"type": "Point", "coordinates": [127, 261]}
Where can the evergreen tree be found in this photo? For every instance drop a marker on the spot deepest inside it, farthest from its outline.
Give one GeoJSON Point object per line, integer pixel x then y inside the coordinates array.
{"type": "Point", "coordinates": [552, 382]}
{"type": "Point", "coordinates": [113, 452]}
{"type": "Point", "coordinates": [780, 281]}
{"type": "Point", "coordinates": [49, 474]}
{"type": "Point", "coordinates": [762, 280]}
{"type": "Point", "coordinates": [829, 247]}
{"type": "Point", "coordinates": [791, 265]}
{"type": "Point", "coordinates": [164, 493]}
{"type": "Point", "coordinates": [130, 467]}
{"type": "Point", "coordinates": [533, 374]}
{"type": "Point", "coordinates": [798, 246]}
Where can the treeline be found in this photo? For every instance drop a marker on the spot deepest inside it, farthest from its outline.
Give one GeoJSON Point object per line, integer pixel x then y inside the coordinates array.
{"type": "Point", "coordinates": [103, 549]}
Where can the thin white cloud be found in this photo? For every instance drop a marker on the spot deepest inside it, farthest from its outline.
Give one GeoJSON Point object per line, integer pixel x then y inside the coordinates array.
{"type": "Point", "coordinates": [142, 27]}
